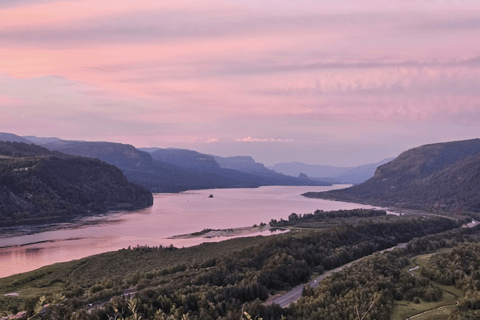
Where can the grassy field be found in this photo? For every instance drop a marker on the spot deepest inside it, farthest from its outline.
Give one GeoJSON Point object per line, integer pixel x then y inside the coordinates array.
{"type": "Point", "coordinates": [441, 313]}
{"type": "Point", "coordinates": [122, 263]}
{"type": "Point", "coordinates": [427, 310]}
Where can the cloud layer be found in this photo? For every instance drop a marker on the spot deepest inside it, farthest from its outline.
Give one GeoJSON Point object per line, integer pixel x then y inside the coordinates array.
{"type": "Point", "coordinates": [158, 73]}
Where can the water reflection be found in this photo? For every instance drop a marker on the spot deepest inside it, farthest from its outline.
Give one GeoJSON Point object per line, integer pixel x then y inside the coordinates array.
{"type": "Point", "coordinates": [28, 248]}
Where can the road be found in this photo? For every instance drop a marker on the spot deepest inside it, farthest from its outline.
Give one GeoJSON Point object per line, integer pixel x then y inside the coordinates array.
{"type": "Point", "coordinates": [284, 300]}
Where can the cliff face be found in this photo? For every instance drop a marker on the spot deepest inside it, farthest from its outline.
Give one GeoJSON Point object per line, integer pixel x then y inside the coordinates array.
{"type": "Point", "coordinates": [37, 183]}
{"type": "Point", "coordinates": [443, 176]}
{"type": "Point", "coordinates": [245, 164]}
{"type": "Point", "coordinates": [185, 158]}
{"type": "Point", "coordinates": [170, 170]}
{"type": "Point", "coordinates": [120, 155]}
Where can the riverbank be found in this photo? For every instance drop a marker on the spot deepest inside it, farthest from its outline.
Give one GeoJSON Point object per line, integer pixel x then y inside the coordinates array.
{"type": "Point", "coordinates": [231, 232]}
{"type": "Point", "coordinates": [50, 224]}
{"type": "Point", "coordinates": [171, 214]}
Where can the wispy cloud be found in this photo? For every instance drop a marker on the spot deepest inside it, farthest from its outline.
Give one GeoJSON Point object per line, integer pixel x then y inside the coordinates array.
{"type": "Point", "coordinates": [209, 72]}
{"type": "Point", "coordinates": [212, 140]}
{"type": "Point", "coordinates": [22, 3]}
{"type": "Point", "coordinates": [250, 139]}
{"type": "Point", "coordinates": [9, 101]}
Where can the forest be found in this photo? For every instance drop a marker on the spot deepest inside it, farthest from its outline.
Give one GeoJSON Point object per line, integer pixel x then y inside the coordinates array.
{"type": "Point", "coordinates": [325, 219]}
{"type": "Point", "coordinates": [219, 280]}
{"type": "Point", "coordinates": [38, 185]}
{"type": "Point", "coordinates": [441, 177]}
{"type": "Point", "coordinates": [460, 268]}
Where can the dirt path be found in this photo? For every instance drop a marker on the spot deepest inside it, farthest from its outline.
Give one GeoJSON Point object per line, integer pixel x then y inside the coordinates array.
{"type": "Point", "coordinates": [430, 310]}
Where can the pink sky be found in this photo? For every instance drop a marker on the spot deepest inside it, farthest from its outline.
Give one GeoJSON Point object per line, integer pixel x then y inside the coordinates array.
{"type": "Point", "coordinates": [327, 82]}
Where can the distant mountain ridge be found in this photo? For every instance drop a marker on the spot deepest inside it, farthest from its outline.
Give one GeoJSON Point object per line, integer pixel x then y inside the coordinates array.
{"type": "Point", "coordinates": [240, 167]}
{"type": "Point", "coordinates": [13, 138]}
{"type": "Point", "coordinates": [36, 183]}
{"type": "Point", "coordinates": [353, 175]}
{"type": "Point", "coordinates": [311, 170]}
{"type": "Point", "coordinates": [39, 140]}
{"type": "Point", "coordinates": [185, 158]}
{"type": "Point", "coordinates": [168, 170]}
{"type": "Point", "coordinates": [120, 155]}
{"type": "Point", "coordinates": [193, 159]}
{"type": "Point", "coordinates": [443, 176]}
{"type": "Point", "coordinates": [361, 173]}
{"type": "Point", "coordinates": [245, 164]}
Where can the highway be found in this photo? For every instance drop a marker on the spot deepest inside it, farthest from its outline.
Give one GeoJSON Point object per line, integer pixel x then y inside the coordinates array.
{"type": "Point", "coordinates": [284, 300]}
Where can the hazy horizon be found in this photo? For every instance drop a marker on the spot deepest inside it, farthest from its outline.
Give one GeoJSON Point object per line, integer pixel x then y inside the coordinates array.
{"type": "Point", "coordinates": [334, 83]}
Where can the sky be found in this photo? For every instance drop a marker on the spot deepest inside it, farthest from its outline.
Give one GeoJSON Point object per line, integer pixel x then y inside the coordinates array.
{"type": "Point", "coordinates": [322, 82]}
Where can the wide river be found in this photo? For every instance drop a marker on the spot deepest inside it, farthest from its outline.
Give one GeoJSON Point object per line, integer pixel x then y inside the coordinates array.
{"type": "Point", "coordinates": [26, 249]}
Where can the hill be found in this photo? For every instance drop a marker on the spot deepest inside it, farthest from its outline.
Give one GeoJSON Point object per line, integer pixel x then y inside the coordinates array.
{"type": "Point", "coordinates": [12, 138]}
{"type": "Point", "coordinates": [36, 183]}
{"type": "Point", "coordinates": [120, 155]}
{"type": "Point", "coordinates": [209, 163]}
{"type": "Point", "coordinates": [360, 174]}
{"type": "Point", "coordinates": [442, 176]}
{"type": "Point", "coordinates": [245, 164]}
{"type": "Point", "coordinates": [185, 158]}
{"type": "Point", "coordinates": [311, 170]}
{"type": "Point", "coordinates": [169, 170]}
{"type": "Point", "coordinates": [40, 140]}
{"type": "Point", "coordinates": [240, 170]}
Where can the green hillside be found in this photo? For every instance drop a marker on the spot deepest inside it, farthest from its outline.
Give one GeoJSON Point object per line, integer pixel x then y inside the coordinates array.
{"type": "Point", "coordinates": [442, 176]}
{"type": "Point", "coordinates": [220, 280]}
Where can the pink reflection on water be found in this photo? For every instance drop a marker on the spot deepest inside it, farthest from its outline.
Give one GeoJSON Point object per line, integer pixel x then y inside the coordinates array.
{"type": "Point", "coordinates": [171, 214]}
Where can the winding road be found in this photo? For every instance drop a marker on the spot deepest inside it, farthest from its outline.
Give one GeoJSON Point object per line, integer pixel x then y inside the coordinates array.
{"type": "Point", "coordinates": [285, 299]}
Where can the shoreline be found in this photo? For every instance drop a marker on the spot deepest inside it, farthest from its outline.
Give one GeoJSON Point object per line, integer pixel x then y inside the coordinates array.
{"type": "Point", "coordinates": [231, 232]}
{"type": "Point", "coordinates": [13, 228]}
{"type": "Point", "coordinates": [18, 228]}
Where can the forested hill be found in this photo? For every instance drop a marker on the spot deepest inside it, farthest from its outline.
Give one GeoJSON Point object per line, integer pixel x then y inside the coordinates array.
{"type": "Point", "coordinates": [36, 183]}
{"type": "Point", "coordinates": [170, 170]}
{"type": "Point", "coordinates": [442, 176]}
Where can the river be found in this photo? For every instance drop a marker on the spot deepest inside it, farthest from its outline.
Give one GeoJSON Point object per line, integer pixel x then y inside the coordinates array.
{"type": "Point", "coordinates": [26, 249]}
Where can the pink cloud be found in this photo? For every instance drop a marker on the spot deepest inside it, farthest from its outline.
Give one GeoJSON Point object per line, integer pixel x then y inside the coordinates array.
{"type": "Point", "coordinates": [250, 139]}
{"type": "Point", "coordinates": [123, 68]}
{"type": "Point", "coordinates": [212, 140]}
{"type": "Point", "coordinates": [9, 101]}
{"type": "Point", "coordinates": [39, 14]}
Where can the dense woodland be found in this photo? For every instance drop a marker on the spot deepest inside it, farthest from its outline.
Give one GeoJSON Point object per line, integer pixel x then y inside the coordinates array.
{"type": "Point", "coordinates": [323, 219]}
{"type": "Point", "coordinates": [38, 184]}
{"type": "Point", "coordinates": [459, 267]}
{"type": "Point", "coordinates": [370, 287]}
{"type": "Point", "coordinates": [217, 280]}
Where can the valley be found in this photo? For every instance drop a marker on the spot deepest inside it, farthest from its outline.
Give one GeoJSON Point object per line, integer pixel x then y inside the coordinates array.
{"type": "Point", "coordinates": [205, 253]}
{"type": "Point", "coordinates": [239, 160]}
